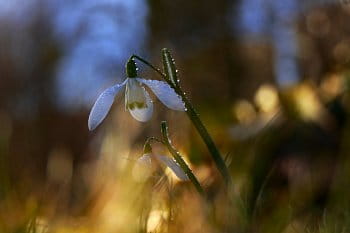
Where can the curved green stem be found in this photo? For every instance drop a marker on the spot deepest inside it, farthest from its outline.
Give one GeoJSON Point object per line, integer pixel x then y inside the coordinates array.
{"type": "Point", "coordinates": [147, 148]}
{"type": "Point", "coordinates": [179, 159]}
{"type": "Point", "coordinates": [148, 64]}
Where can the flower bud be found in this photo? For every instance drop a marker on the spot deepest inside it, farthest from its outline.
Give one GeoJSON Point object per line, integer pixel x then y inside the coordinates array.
{"type": "Point", "coordinates": [131, 68]}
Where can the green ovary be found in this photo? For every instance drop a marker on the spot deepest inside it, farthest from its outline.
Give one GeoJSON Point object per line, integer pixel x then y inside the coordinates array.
{"type": "Point", "coordinates": [136, 104]}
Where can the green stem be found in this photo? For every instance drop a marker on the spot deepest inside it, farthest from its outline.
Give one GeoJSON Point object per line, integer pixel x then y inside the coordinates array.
{"type": "Point", "coordinates": [169, 66]}
{"type": "Point", "coordinates": [179, 159]}
{"type": "Point", "coordinates": [148, 64]}
{"type": "Point", "coordinates": [172, 80]}
{"type": "Point", "coordinates": [196, 121]}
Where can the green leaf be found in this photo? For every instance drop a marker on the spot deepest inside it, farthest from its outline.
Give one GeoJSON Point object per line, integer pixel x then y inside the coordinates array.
{"type": "Point", "coordinates": [169, 67]}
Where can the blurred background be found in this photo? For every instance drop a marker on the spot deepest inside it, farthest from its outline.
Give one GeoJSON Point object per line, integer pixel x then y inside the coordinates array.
{"type": "Point", "coordinates": [269, 79]}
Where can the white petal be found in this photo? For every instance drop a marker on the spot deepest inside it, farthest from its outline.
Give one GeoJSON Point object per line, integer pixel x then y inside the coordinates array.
{"type": "Point", "coordinates": [137, 101]}
{"type": "Point", "coordinates": [143, 168]}
{"type": "Point", "coordinates": [165, 94]}
{"type": "Point", "coordinates": [102, 105]}
{"type": "Point", "coordinates": [145, 160]}
{"type": "Point", "coordinates": [173, 165]}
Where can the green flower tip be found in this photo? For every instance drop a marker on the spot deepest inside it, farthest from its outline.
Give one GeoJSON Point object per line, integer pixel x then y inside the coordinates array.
{"type": "Point", "coordinates": [135, 104]}
{"type": "Point", "coordinates": [147, 148]}
{"type": "Point", "coordinates": [131, 68]}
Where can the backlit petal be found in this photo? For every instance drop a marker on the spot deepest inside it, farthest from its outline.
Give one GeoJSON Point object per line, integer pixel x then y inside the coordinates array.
{"type": "Point", "coordinates": [173, 165]}
{"type": "Point", "coordinates": [165, 94]}
{"type": "Point", "coordinates": [103, 105]}
{"type": "Point", "coordinates": [143, 168]}
{"type": "Point", "coordinates": [145, 160]}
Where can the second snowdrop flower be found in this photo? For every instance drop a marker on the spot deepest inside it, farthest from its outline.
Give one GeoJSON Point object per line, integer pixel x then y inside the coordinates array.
{"type": "Point", "coordinates": [137, 99]}
{"type": "Point", "coordinates": [146, 161]}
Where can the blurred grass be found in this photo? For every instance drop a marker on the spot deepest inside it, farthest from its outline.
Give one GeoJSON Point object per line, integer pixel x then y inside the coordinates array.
{"type": "Point", "coordinates": [289, 176]}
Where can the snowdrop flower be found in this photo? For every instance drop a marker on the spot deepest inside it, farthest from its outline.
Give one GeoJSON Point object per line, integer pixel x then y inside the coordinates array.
{"type": "Point", "coordinates": [147, 159]}
{"type": "Point", "coordinates": [137, 99]}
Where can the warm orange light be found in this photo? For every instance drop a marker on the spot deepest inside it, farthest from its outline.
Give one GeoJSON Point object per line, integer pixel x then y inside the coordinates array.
{"type": "Point", "coordinates": [308, 103]}
{"type": "Point", "coordinates": [331, 86]}
{"type": "Point", "coordinates": [155, 219]}
{"type": "Point", "coordinates": [244, 112]}
{"type": "Point", "coordinates": [266, 98]}
{"type": "Point", "coordinates": [60, 166]}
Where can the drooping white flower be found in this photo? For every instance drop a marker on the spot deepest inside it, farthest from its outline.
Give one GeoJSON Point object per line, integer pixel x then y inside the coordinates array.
{"type": "Point", "coordinates": [137, 99]}
{"type": "Point", "coordinates": [146, 160]}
